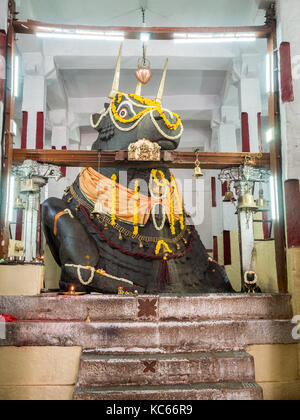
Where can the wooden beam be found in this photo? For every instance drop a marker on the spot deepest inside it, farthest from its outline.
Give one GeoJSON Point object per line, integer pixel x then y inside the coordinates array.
{"type": "Point", "coordinates": [157, 33]}
{"type": "Point", "coordinates": [119, 159]}
{"type": "Point", "coordinates": [276, 166]}
{"type": "Point", "coordinates": [7, 158]}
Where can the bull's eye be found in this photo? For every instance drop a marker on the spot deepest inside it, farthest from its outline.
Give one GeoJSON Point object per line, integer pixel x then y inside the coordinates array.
{"type": "Point", "coordinates": [123, 113]}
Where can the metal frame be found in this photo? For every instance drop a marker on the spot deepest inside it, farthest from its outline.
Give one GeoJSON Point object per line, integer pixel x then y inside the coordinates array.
{"type": "Point", "coordinates": [268, 31]}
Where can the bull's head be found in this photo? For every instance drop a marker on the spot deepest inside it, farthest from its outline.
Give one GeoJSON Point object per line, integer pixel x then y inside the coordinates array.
{"type": "Point", "coordinates": [130, 117]}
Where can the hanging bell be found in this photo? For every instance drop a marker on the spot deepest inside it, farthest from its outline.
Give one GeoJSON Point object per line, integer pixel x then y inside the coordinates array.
{"type": "Point", "coordinates": [144, 73]}
{"type": "Point", "coordinates": [19, 205]}
{"type": "Point", "coordinates": [198, 172]}
{"type": "Point", "coordinates": [261, 203]}
{"type": "Point", "coordinates": [98, 209]}
{"type": "Point", "coordinates": [29, 187]}
{"type": "Point", "coordinates": [229, 197]}
{"type": "Point", "coordinates": [246, 202]}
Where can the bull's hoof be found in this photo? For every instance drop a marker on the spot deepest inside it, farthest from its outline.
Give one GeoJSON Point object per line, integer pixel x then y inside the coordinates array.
{"type": "Point", "coordinates": [89, 280]}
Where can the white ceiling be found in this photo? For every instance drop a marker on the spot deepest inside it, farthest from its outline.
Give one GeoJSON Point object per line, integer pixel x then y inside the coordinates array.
{"type": "Point", "coordinates": [159, 13]}
{"type": "Point", "coordinates": [197, 74]}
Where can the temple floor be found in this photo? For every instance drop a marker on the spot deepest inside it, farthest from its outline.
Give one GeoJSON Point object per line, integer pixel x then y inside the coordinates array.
{"type": "Point", "coordinates": [154, 347]}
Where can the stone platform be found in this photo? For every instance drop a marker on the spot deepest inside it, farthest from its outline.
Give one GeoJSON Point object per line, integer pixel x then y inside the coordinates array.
{"type": "Point", "coordinates": [155, 347]}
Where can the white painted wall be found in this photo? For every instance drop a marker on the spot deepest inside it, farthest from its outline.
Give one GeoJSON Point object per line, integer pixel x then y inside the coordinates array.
{"type": "Point", "coordinates": [289, 31]}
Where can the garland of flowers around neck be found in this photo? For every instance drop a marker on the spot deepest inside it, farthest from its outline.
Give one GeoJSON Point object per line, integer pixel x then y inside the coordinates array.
{"type": "Point", "coordinates": [179, 203]}
{"type": "Point", "coordinates": [163, 182]}
{"type": "Point", "coordinates": [113, 199]}
{"type": "Point", "coordinates": [136, 208]}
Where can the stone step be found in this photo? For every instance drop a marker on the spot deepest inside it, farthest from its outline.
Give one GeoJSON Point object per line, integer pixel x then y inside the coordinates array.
{"type": "Point", "coordinates": [223, 391]}
{"type": "Point", "coordinates": [53, 307]}
{"type": "Point", "coordinates": [150, 337]}
{"type": "Point", "coordinates": [167, 369]}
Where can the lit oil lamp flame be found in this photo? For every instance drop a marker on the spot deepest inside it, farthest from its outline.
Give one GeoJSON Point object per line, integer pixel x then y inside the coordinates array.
{"type": "Point", "coordinates": [72, 290]}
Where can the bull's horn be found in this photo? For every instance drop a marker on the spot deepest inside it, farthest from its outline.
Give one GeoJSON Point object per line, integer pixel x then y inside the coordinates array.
{"type": "Point", "coordinates": [138, 89]}
{"type": "Point", "coordinates": [161, 89]}
{"type": "Point", "coordinates": [116, 82]}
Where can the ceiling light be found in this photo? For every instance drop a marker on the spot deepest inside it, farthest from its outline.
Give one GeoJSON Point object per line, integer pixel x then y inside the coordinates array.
{"type": "Point", "coordinates": [270, 135]}
{"type": "Point", "coordinates": [16, 76]}
{"type": "Point", "coordinates": [145, 37]}
{"type": "Point", "coordinates": [79, 36]}
{"type": "Point", "coordinates": [189, 38]}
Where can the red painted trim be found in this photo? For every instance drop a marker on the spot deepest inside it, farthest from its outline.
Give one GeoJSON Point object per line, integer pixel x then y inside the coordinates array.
{"type": "Point", "coordinates": [292, 204]}
{"type": "Point", "coordinates": [213, 192]}
{"type": "Point", "coordinates": [40, 131]}
{"type": "Point", "coordinates": [19, 225]}
{"type": "Point", "coordinates": [2, 65]}
{"type": "Point", "coordinates": [216, 250]}
{"type": "Point", "coordinates": [227, 247]}
{"type": "Point", "coordinates": [224, 188]}
{"type": "Point", "coordinates": [266, 225]}
{"type": "Point", "coordinates": [260, 144]}
{"type": "Point", "coordinates": [24, 130]}
{"type": "Point", "coordinates": [64, 168]}
{"type": "Point", "coordinates": [245, 133]}
{"type": "Point", "coordinates": [287, 91]}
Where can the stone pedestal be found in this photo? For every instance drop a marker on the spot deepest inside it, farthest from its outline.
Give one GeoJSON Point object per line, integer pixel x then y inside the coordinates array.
{"type": "Point", "coordinates": [21, 280]}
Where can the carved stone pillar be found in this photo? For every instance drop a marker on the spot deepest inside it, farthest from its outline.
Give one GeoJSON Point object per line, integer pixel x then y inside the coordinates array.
{"type": "Point", "coordinates": [40, 174]}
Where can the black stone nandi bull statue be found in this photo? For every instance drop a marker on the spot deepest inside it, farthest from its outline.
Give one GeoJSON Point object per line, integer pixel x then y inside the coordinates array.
{"type": "Point", "coordinates": [109, 232]}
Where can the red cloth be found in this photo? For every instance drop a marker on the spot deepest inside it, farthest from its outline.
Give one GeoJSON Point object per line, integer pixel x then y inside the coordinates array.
{"type": "Point", "coordinates": [8, 318]}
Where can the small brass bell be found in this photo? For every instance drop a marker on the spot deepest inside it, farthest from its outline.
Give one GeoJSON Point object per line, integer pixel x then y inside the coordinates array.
{"type": "Point", "coordinates": [29, 187]}
{"type": "Point", "coordinates": [19, 205]}
{"type": "Point", "coordinates": [261, 203]}
{"type": "Point", "coordinates": [246, 202]}
{"type": "Point", "coordinates": [197, 171]}
{"type": "Point", "coordinates": [229, 197]}
{"type": "Point", "coordinates": [98, 209]}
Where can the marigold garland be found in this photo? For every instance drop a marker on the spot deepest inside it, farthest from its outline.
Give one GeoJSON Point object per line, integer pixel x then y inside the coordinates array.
{"type": "Point", "coordinates": [179, 203]}
{"type": "Point", "coordinates": [136, 208]}
{"type": "Point", "coordinates": [163, 181]}
{"type": "Point", "coordinates": [152, 105]}
{"type": "Point", "coordinates": [113, 199]}
{"type": "Point", "coordinates": [165, 245]}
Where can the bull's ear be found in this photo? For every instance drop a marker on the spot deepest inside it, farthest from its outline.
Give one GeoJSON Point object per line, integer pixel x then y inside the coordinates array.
{"type": "Point", "coordinates": [106, 106]}
{"type": "Point", "coordinates": [95, 120]}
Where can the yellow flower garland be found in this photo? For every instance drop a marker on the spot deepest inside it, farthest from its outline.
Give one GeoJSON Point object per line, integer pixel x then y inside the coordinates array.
{"type": "Point", "coordinates": [152, 105]}
{"type": "Point", "coordinates": [165, 245]}
{"type": "Point", "coordinates": [113, 199]}
{"type": "Point", "coordinates": [179, 203]}
{"type": "Point", "coordinates": [136, 208]}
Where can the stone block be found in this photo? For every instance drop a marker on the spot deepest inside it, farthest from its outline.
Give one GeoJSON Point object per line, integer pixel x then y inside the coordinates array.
{"type": "Point", "coordinates": [36, 393]}
{"type": "Point", "coordinates": [275, 363]}
{"type": "Point", "coordinates": [164, 369]}
{"type": "Point", "coordinates": [229, 391]}
{"type": "Point", "coordinates": [281, 391]}
{"type": "Point", "coordinates": [21, 280]}
{"type": "Point", "coordinates": [39, 366]}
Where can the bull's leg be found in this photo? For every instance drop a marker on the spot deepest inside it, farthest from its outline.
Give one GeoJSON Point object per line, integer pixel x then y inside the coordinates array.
{"type": "Point", "coordinates": [68, 240]}
{"type": "Point", "coordinates": [72, 248]}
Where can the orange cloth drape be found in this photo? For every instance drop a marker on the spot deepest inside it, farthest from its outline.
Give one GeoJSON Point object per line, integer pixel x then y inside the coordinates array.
{"type": "Point", "coordinates": [93, 185]}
